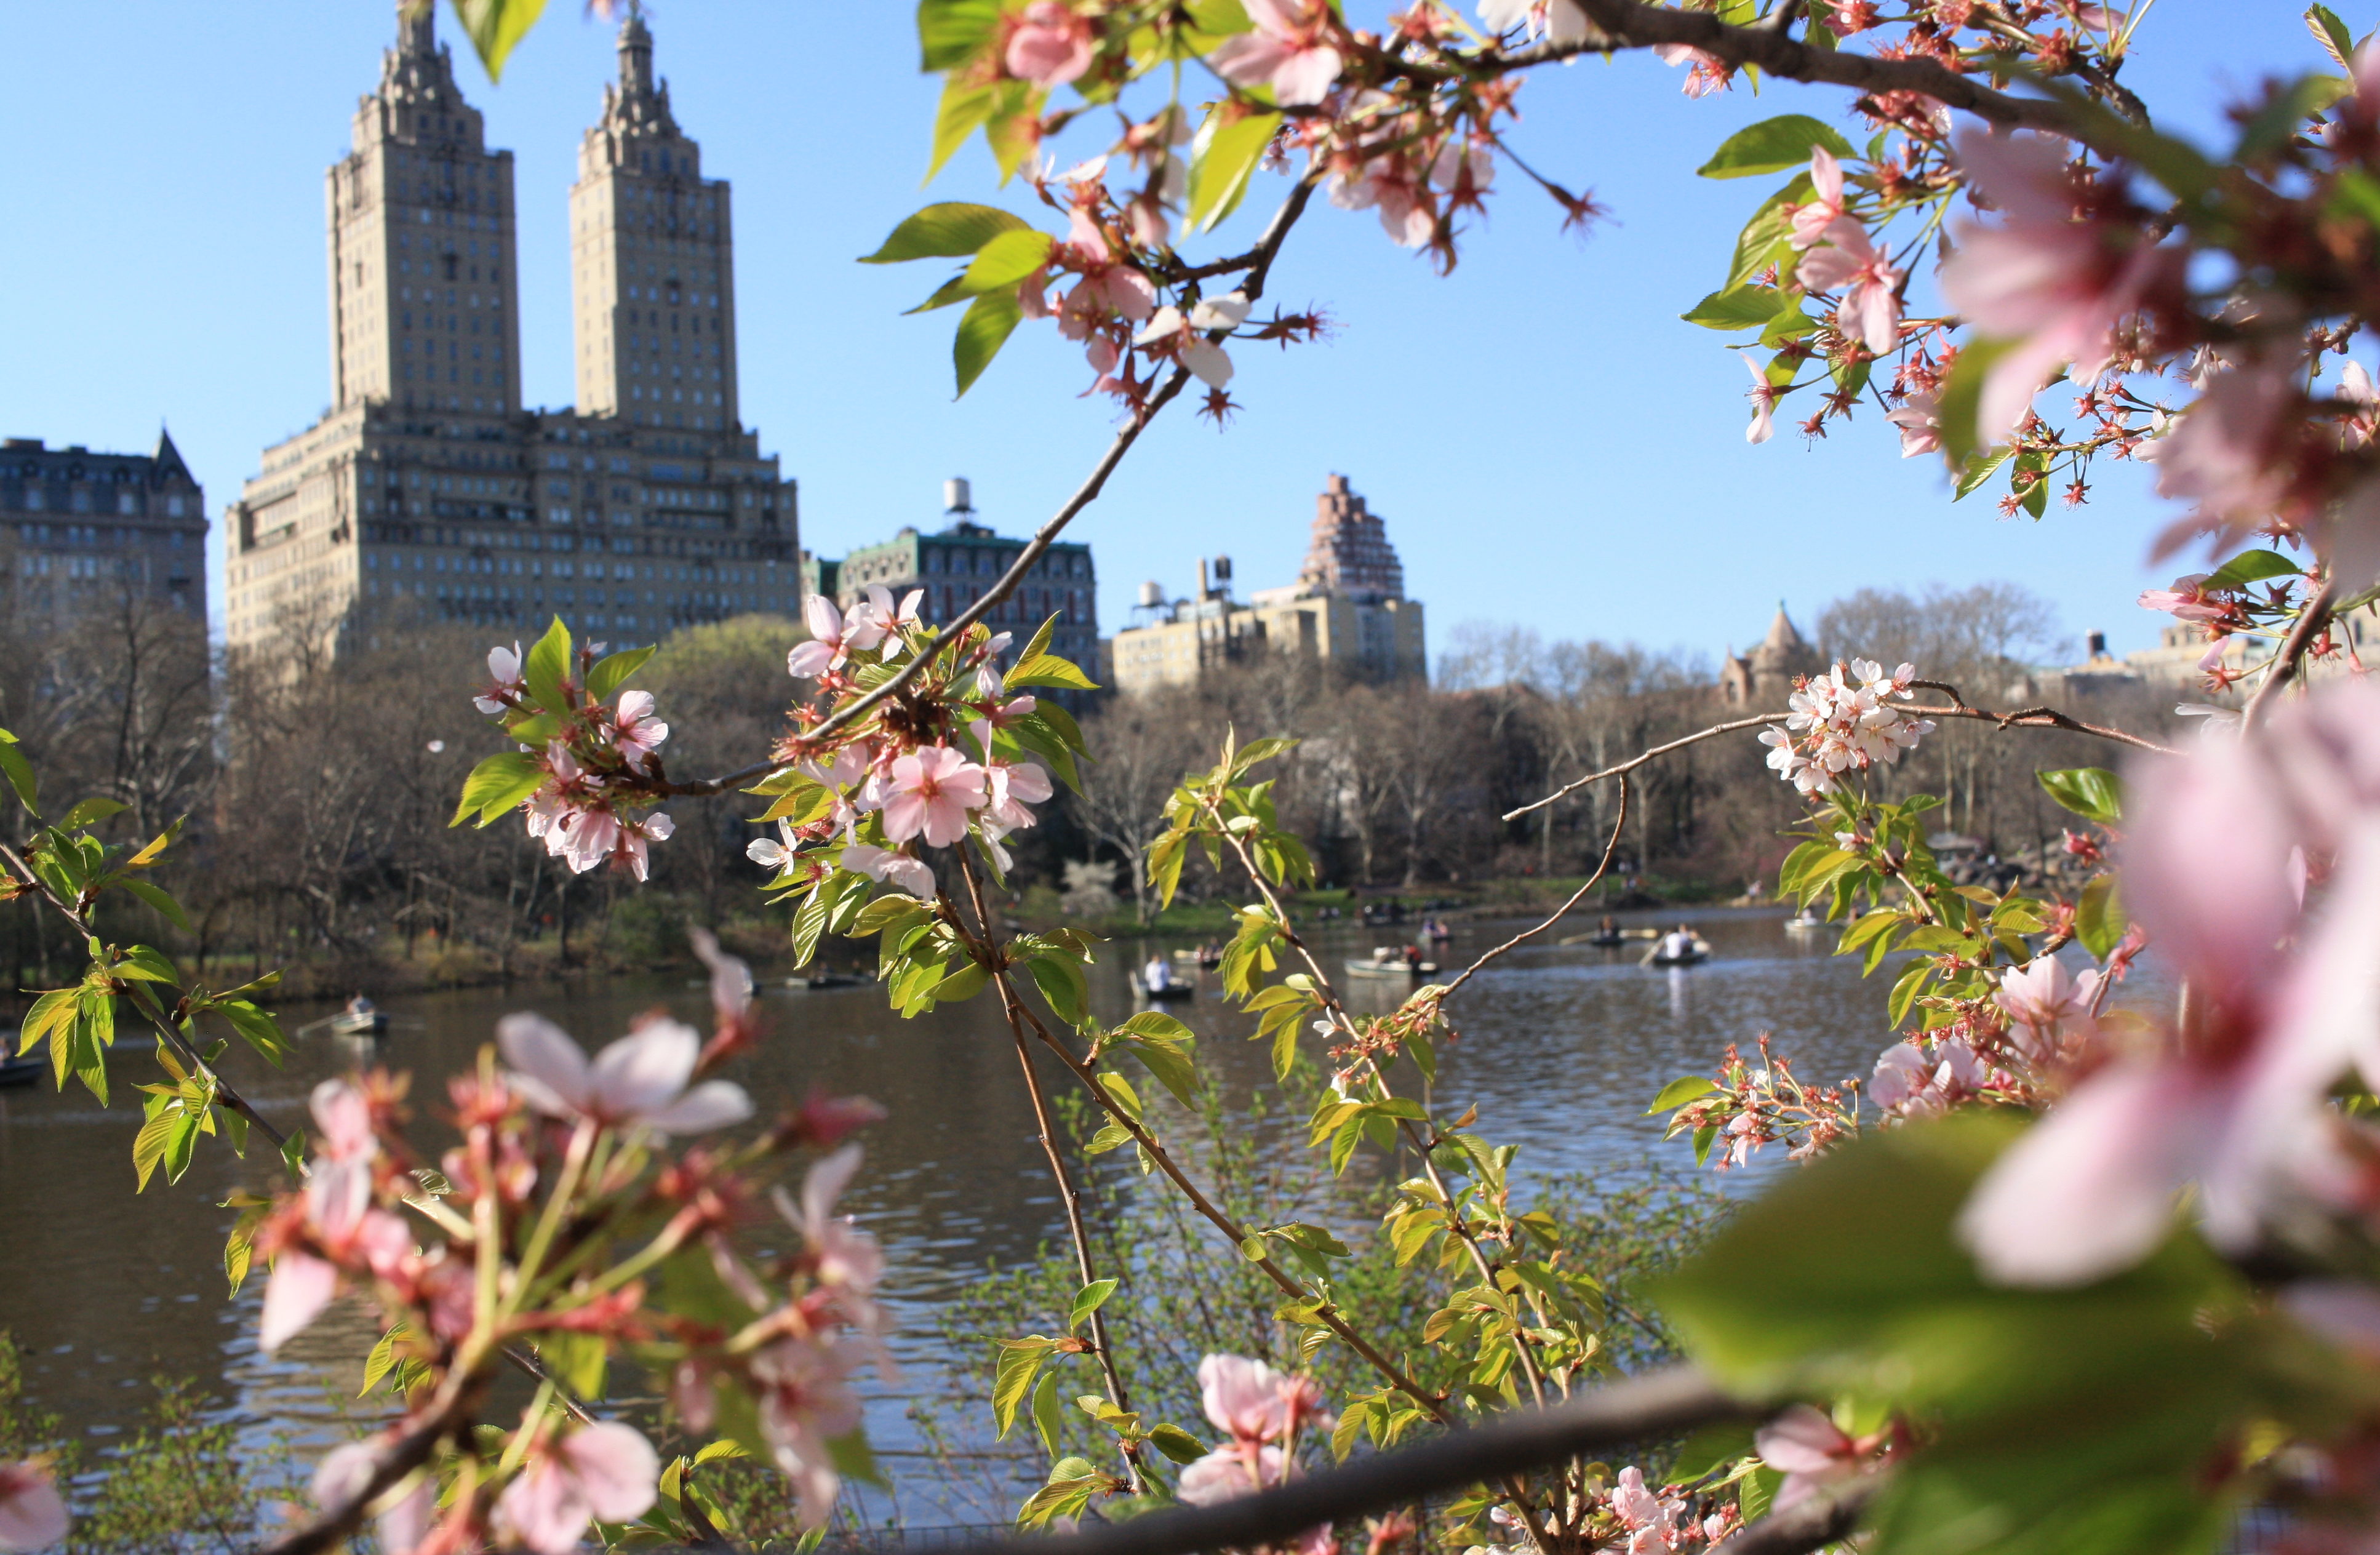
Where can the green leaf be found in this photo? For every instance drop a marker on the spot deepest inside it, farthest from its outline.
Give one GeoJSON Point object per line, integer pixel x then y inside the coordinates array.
{"type": "Point", "coordinates": [1980, 468]}
{"type": "Point", "coordinates": [1738, 307]}
{"type": "Point", "coordinates": [1163, 1045]}
{"type": "Point", "coordinates": [547, 671]}
{"type": "Point", "coordinates": [2251, 566]}
{"type": "Point", "coordinates": [1072, 1483]}
{"type": "Point", "coordinates": [951, 32]}
{"type": "Point", "coordinates": [89, 812]}
{"type": "Point", "coordinates": [18, 771]}
{"type": "Point", "coordinates": [2093, 793]}
{"type": "Point", "coordinates": [1089, 1299]}
{"type": "Point", "coordinates": [1047, 669]}
{"type": "Point", "coordinates": [497, 787]}
{"type": "Point", "coordinates": [1962, 395]}
{"type": "Point", "coordinates": [2065, 1420]}
{"type": "Point", "coordinates": [2285, 116]}
{"type": "Point", "coordinates": [495, 26]}
{"type": "Point", "coordinates": [1763, 241]}
{"type": "Point", "coordinates": [1009, 258]}
{"type": "Point", "coordinates": [1059, 978]}
{"type": "Point", "coordinates": [612, 671]}
{"type": "Point", "coordinates": [1048, 1416]}
{"type": "Point", "coordinates": [2099, 921]}
{"type": "Point", "coordinates": [1224, 154]}
{"type": "Point", "coordinates": [382, 1359]}
{"type": "Point", "coordinates": [158, 899]}
{"type": "Point", "coordinates": [2332, 34]}
{"type": "Point", "coordinates": [989, 322]}
{"type": "Point", "coordinates": [1680, 1091]}
{"type": "Point", "coordinates": [1774, 145]}
{"type": "Point", "coordinates": [1020, 1363]}
{"type": "Point", "coordinates": [149, 1147]}
{"type": "Point", "coordinates": [945, 231]}
{"type": "Point", "coordinates": [1177, 1443]}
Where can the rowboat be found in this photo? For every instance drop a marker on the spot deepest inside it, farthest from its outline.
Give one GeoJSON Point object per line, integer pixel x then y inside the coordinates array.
{"type": "Point", "coordinates": [358, 1023]}
{"type": "Point", "coordinates": [1658, 956]}
{"type": "Point", "coordinates": [1397, 971]}
{"type": "Point", "coordinates": [1804, 923]}
{"type": "Point", "coordinates": [825, 979]}
{"type": "Point", "coordinates": [1170, 993]}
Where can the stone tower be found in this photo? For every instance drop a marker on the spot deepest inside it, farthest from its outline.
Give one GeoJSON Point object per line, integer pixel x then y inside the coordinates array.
{"type": "Point", "coordinates": [422, 277]}
{"type": "Point", "coordinates": [1767, 673]}
{"type": "Point", "coordinates": [651, 261]}
{"type": "Point", "coordinates": [1350, 554]}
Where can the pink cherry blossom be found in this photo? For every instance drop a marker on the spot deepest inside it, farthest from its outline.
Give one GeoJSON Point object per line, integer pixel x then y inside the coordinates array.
{"type": "Point", "coordinates": [1051, 46]}
{"type": "Point", "coordinates": [1870, 309]}
{"type": "Point", "coordinates": [1811, 220]}
{"type": "Point", "coordinates": [894, 869]}
{"type": "Point", "coordinates": [339, 1215]}
{"type": "Point", "coordinates": [343, 1125]}
{"type": "Point", "coordinates": [1764, 402]}
{"type": "Point", "coordinates": [2041, 998]}
{"type": "Point", "coordinates": [1562, 20]}
{"type": "Point", "coordinates": [2234, 1102]}
{"type": "Point", "coordinates": [628, 848]}
{"type": "Point", "coordinates": [585, 839]}
{"type": "Point", "coordinates": [1291, 51]}
{"type": "Point", "coordinates": [605, 1470]}
{"type": "Point", "coordinates": [32, 1515]}
{"type": "Point", "coordinates": [1014, 785]}
{"type": "Point", "coordinates": [2186, 600]}
{"type": "Point", "coordinates": [1709, 73]}
{"type": "Point", "coordinates": [2230, 453]}
{"type": "Point", "coordinates": [1651, 1520]}
{"type": "Point", "coordinates": [931, 790]}
{"type": "Point", "coordinates": [1920, 423]}
{"type": "Point", "coordinates": [347, 1469]}
{"type": "Point", "coordinates": [1390, 185]}
{"type": "Point", "coordinates": [1206, 361]}
{"type": "Point", "coordinates": [1253, 1402]}
{"type": "Point", "coordinates": [805, 1403]}
{"type": "Point", "coordinates": [2055, 285]}
{"type": "Point", "coordinates": [1237, 1469]}
{"type": "Point", "coordinates": [504, 674]}
{"type": "Point", "coordinates": [639, 733]}
{"type": "Point", "coordinates": [640, 1081]}
{"type": "Point", "coordinates": [1810, 1450]}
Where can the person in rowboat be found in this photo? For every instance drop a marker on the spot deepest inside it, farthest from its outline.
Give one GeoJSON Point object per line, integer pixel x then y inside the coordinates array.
{"type": "Point", "coordinates": [1678, 944]}
{"type": "Point", "coordinates": [1158, 974]}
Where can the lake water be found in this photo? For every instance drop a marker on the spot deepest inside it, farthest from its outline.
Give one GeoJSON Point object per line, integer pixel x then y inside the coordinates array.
{"type": "Point", "coordinates": [1562, 1047]}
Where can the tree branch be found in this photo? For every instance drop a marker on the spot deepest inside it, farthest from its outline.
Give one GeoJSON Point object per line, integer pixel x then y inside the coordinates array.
{"type": "Point", "coordinates": [1654, 1405]}
{"type": "Point", "coordinates": [1806, 1525]}
{"type": "Point", "coordinates": [1632, 24]}
{"type": "Point", "coordinates": [1268, 249]}
{"type": "Point", "coordinates": [2310, 622]}
{"type": "Point", "coordinates": [1731, 727]}
{"type": "Point", "coordinates": [1618, 823]}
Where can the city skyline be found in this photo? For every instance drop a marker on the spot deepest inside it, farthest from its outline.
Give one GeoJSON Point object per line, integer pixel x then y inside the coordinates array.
{"type": "Point", "coordinates": [1576, 452]}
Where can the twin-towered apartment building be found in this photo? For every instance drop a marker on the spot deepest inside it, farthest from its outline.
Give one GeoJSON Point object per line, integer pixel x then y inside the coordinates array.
{"type": "Point", "coordinates": [427, 488]}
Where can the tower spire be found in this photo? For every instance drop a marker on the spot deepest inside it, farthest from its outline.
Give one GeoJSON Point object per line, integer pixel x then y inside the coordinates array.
{"type": "Point", "coordinates": [417, 31]}
{"type": "Point", "coordinates": [636, 54]}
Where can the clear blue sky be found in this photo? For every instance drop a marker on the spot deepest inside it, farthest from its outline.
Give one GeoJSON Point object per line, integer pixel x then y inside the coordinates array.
{"type": "Point", "coordinates": [1548, 443]}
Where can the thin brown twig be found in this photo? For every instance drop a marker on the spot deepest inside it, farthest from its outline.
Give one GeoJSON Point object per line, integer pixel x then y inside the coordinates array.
{"type": "Point", "coordinates": [2024, 718]}
{"type": "Point", "coordinates": [1731, 727]}
{"type": "Point", "coordinates": [1268, 249]}
{"type": "Point", "coordinates": [1609, 848]}
{"type": "Point", "coordinates": [450, 1413]}
{"type": "Point", "coordinates": [1806, 1525]}
{"type": "Point", "coordinates": [2310, 622]}
{"type": "Point", "coordinates": [989, 957]}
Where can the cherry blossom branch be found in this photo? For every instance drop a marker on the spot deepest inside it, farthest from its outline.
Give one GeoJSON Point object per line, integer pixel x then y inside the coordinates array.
{"type": "Point", "coordinates": [1609, 848]}
{"type": "Point", "coordinates": [1654, 1405]}
{"type": "Point", "coordinates": [1068, 1195]}
{"type": "Point", "coordinates": [451, 1412]}
{"type": "Point", "coordinates": [2024, 718]}
{"type": "Point", "coordinates": [1808, 1525]}
{"type": "Point", "coordinates": [167, 1031]}
{"type": "Point", "coordinates": [2027, 718]}
{"type": "Point", "coordinates": [1268, 249]}
{"type": "Point", "coordinates": [2283, 667]}
{"type": "Point", "coordinates": [1326, 1312]}
{"type": "Point", "coordinates": [1733, 726]}
{"type": "Point", "coordinates": [1633, 24]}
